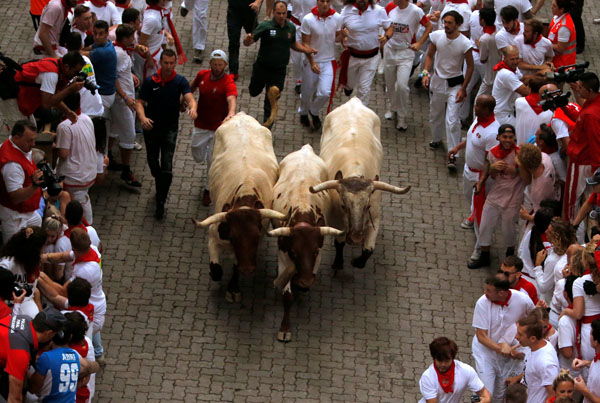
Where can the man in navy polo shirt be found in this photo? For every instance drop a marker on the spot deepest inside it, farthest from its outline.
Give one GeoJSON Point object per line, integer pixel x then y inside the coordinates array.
{"type": "Point", "coordinates": [158, 107]}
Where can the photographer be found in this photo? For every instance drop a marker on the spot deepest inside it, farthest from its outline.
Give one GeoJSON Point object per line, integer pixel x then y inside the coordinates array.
{"type": "Point", "coordinates": [7, 293]}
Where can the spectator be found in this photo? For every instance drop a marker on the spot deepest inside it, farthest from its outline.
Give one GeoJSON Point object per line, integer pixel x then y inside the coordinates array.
{"type": "Point", "coordinates": [488, 52]}
{"type": "Point", "coordinates": [537, 170]}
{"type": "Point", "coordinates": [569, 345]}
{"type": "Point", "coordinates": [591, 390]}
{"type": "Point", "coordinates": [516, 393]}
{"type": "Point", "coordinates": [7, 293]}
{"type": "Point", "coordinates": [105, 11]}
{"type": "Point", "coordinates": [54, 15]}
{"type": "Point", "coordinates": [512, 267]}
{"type": "Point", "coordinates": [562, 34]}
{"type": "Point", "coordinates": [82, 22]}
{"type": "Point", "coordinates": [83, 345]}
{"type": "Point", "coordinates": [563, 385]}
{"type": "Point", "coordinates": [569, 264]}
{"type": "Point", "coordinates": [510, 28]}
{"type": "Point", "coordinates": [241, 14]}
{"type": "Point", "coordinates": [522, 7]}
{"type": "Point", "coordinates": [535, 50]}
{"type": "Point", "coordinates": [217, 101]}
{"type": "Point", "coordinates": [529, 113]}
{"type": "Point", "coordinates": [545, 140]}
{"type": "Point", "coordinates": [199, 25]}
{"type": "Point", "coordinates": [508, 85]}
{"type": "Point", "coordinates": [549, 332]}
{"type": "Point", "coordinates": [153, 34]}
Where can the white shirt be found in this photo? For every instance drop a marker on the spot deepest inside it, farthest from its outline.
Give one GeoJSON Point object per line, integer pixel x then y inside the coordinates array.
{"type": "Point", "coordinates": [301, 8]}
{"type": "Point", "coordinates": [499, 321]}
{"type": "Point", "coordinates": [363, 30]}
{"type": "Point", "coordinates": [591, 302]}
{"type": "Point", "coordinates": [593, 381]}
{"type": "Point", "coordinates": [545, 276]}
{"type": "Point", "coordinates": [83, 35]}
{"type": "Point", "coordinates": [124, 66]}
{"type": "Point", "coordinates": [558, 299]}
{"type": "Point", "coordinates": [560, 128]}
{"type": "Point", "coordinates": [79, 168]}
{"type": "Point", "coordinates": [528, 122]}
{"type": "Point", "coordinates": [450, 54]}
{"type": "Point", "coordinates": [566, 338]}
{"type": "Point", "coordinates": [465, 378]}
{"type": "Point", "coordinates": [63, 244]}
{"type": "Point", "coordinates": [488, 52]}
{"type": "Point", "coordinates": [479, 141]}
{"type": "Point", "coordinates": [92, 272]}
{"type": "Point", "coordinates": [463, 9]}
{"type": "Point", "coordinates": [525, 256]}
{"type": "Point", "coordinates": [47, 81]}
{"type": "Point", "coordinates": [152, 25]}
{"type": "Point", "coordinates": [476, 32]}
{"type": "Point", "coordinates": [534, 55]}
{"type": "Point", "coordinates": [52, 15]}
{"type": "Point", "coordinates": [322, 35]}
{"type": "Point", "coordinates": [522, 5]}
{"type": "Point", "coordinates": [91, 104]}
{"type": "Point", "coordinates": [406, 24]}
{"type": "Point", "coordinates": [505, 85]}
{"type": "Point", "coordinates": [541, 368]}
{"type": "Point", "coordinates": [108, 13]}
{"type": "Point", "coordinates": [505, 38]}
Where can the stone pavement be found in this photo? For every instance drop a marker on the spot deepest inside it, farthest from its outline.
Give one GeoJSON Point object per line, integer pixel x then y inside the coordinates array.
{"type": "Point", "coordinates": [362, 336]}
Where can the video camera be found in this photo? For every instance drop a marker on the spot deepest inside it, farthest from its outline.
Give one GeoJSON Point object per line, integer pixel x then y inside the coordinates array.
{"type": "Point", "coordinates": [552, 100]}
{"type": "Point", "coordinates": [87, 83]}
{"type": "Point", "coordinates": [51, 180]}
{"type": "Point", "coordinates": [569, 74]}
{"type": "Point", "coordinates": [19, 288]}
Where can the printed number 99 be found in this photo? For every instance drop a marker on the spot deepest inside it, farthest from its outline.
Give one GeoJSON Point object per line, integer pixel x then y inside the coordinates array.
{"type": "Point", "coordinates": [68, 377]}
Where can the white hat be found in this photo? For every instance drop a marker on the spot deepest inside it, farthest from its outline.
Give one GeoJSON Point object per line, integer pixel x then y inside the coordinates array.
{"type": "Point", "coordinates": [219, 54]}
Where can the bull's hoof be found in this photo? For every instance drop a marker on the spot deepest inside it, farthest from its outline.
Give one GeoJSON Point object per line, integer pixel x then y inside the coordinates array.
{"type": "Point", "coordinates": [216, 272]}
{"type": "Point", "coordinates": [284, 337]}
{"type": "Point", "coordinates": [358, 262]}
{"type": "Point", "coordinates": [233, 297]}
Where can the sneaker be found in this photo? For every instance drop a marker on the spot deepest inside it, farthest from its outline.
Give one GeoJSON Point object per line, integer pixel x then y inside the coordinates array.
{"type": "Point", "coordinates": [476, 254]}
{"type": "Point", "coordinates": [482, 261]}
{"type": "Point", "coordinates": [401, 126]}
{"type": "Point", "coordinates": [130, 180]}
{"type": "Point", "coordinates": [198, 56]}
{"type": "Point", "coordinates": [159, 213]}
{"type": "Point", "coordinates": [451, 164]}
{"type": "Point", "coordinates": [100, 359]}
{"type": "Point", "coordinates": [348, 92]}
{"type": "Point", "coordinates": [596, 21]}
{"type": "Point", "coordinates": [316, 121]}
{"type": "Point", "coordinates": [467, 224]}
{"type": "Point", "coordinates": [304, 121]}
{"type": "Point", "coordinates": [183, 11]}
{"type": "Point", "coordinates": [137, 146]}
{"type": "Point", "coordinates": [389, 115]}
{"type": "Point", "coordinates": [206, 198]}
{"type": "Point", "coordinates": [434, 145]}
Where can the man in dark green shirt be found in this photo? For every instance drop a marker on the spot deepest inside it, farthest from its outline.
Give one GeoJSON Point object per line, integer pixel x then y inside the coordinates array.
{"type": "Point", "coordinates": [276, 38]}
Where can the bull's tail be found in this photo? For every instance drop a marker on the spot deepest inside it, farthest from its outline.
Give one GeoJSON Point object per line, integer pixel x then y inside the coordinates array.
{"type": "Point", "coordinates": [273, 95]}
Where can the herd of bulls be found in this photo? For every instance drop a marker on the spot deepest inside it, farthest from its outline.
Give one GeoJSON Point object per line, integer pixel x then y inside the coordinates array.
{"type": "Point", "coordinates": [305, 197]}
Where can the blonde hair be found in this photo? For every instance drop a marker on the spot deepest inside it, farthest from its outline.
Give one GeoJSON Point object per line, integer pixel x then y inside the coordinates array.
{"type": "Point", "coordinates": [576, 266]}
{"type": "Point", "coordinates": [52, 224]}
{"type": "Point", "coordinates": [563, 376]}
{"type": "Point", "coordinates": [587, 256]}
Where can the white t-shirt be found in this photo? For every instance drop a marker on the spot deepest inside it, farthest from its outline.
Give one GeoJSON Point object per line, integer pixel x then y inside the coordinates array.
{"type": "Point", "coordinates": [406, 24]}
{"type": "Point", "coordinates": [525, 256]}
{"type": "Point", "coordinates": [152, 25]}
{"type": "Point", "coordinates": [92, 272]}
{"type": "Point", "coordinates": [476, 30]}
{"type": "Point", "coordinates": [108, 13]}
{"type": "Point", "coordinates": [363, 29]}
{"type": "Point", "coordinates": [566, 338]}
{"type": "Point", "coordinates": [522, 5]}
{"type": "Point", "coordinates": [528, 122]}
{"type": "Point", "coordinates": [463, 9]}
{"type": "Point", "coordinates": [54, 16]}
{"type": "Point", "coordinates": [91, 104]}
{"type": "Point", "coordinates": [534, 55]}
{"type": "Point", "coordinates": [450, 54]}
{"type": "Point", "coordinates": [560, 166]}
{"type": "Point", "coordinates": [591, 302]}
{"type": "Point", "coordinates": [544, 186]}
{"type": "Point", "coordinates": [124, 66]}
{"type": "Point", "coordinates": [499, 321]}
{"type": "Point", "coordinates": [301, 8]}
{"type": "Point", "coordinates": [79, 168]}
{"type": "Point", "coordinates": [488, 52]}
{"type": "Point", "coordinates": [47, 82]}
{"type": "Point", "coordinates": [322, 35]}
{"type": "Point", "coordinates": [465, 378]}
{"type": "Point", "coordinates": [593, 381]}
{"type": "Point", "coordinates": [558, 299]}
{"type": "Point", "coordinates": [541, 367]}
{"type": "Point", "coordinates": [505, 38]}
{"type": "Point", "coordinates": [504, 91]}
{"type": "Point", "coordinates": [480, 140]}
{"type": "Point", "coordinates": [63, 244]}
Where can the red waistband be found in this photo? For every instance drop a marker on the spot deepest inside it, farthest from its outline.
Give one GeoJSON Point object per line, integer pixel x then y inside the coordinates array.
{"type": "Point", "coordinates": [590, 319]}
{"type": "Point", "coordinates": [474, 170]}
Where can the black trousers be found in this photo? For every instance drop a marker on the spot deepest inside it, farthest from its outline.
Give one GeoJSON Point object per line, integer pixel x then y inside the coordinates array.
{"type": "Point", "coordinates": [238, 18]}
{"type": "Point", "coordinates": [262, 78]}
{"type": "Point", "coordinates": [576, 12]}
{"type": "Point", "coordinates": [160, 148]}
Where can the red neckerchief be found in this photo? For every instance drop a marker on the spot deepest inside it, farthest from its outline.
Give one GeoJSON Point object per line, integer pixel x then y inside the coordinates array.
{"type": "Point", "coordinates": [533, 100]}
{"type": "Point", "coordinates": [489, 30]}
{"type": "Point", "coordinates": [126, 49]}
{"type": "Point", "coordinates": [123, 6]}
{"type": "Point", "coordinates": [358, 8]}
{"type": "Point", "coordinates": [446, 379]}
{"type": "Point", "coordinates": [500, 153]}
{"type": "Point", "coordinates": [458, 1]}
{"type": "Point", "coordinates": [532, 44]}
{"type": "Point", "coordinates": [551, 400]}
{"type": "Point", "coordinates": [503, 65]}
{"type": "Point", "coordinates": [68, 231]}
{"type": "Point", "coordinates": [501, 303]}
{"type": "Point", "coordinates": [89, 256]}
{"type": "Point", "coordinates": [597, 255]}
{"type": "Point", "coordinates": [518, 30]}
{"type": "Point", "coordinates": [597, 357]}
{"type": "Point", "coordinates": [315, 11]}
{"type": "Point", "coordinates": [66, 7]}
{"type": "Point", "coordinates": [87, 310]}
{"type": "Point", "coordinates": [98, 3]}
{"type": "Point", "coordinates": [82, 348]}
{"type": "Point", "coordinates": [157, 8]}
{"type": "Point", "coordinates": [157, 78]}
{"type": "Point", "coordinates": [484, 122]}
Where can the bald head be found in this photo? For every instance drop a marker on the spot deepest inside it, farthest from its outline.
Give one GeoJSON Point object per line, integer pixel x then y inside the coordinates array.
{"type": "Point", "coordinates": [547, 88]}
{"type": "Point", "coordinates": [511, 56]}
{"type": "Point", "coordinates": [510, 50]}
{"type": "Point", "coordinates": [484, 106]}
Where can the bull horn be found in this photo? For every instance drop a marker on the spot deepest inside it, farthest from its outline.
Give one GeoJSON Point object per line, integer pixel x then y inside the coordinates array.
{"type": "Point", "coordinates": [330, 231]}
{"type": "Point", "coordinates": [281, 231]}
{"type": "Point", "coordinates": [272, 214]}
{"type": "Point", "coordinates": [282, 279]}
{"type": "Point", "coordinates": [273, 96]}
{"type": "Point", "coordinates": [332, 184]}
{"type": "Point", "coordinates": [386, 187]}
{"type": "Point", "coordinates": [213, 219]}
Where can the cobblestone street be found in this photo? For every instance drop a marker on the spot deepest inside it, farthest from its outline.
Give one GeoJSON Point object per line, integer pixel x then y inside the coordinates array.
{"type": "Point", "coordinates": [170, 336]}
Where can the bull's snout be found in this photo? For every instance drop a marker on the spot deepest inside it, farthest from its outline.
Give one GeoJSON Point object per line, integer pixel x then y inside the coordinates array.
{"type": "Point", "coordinates": [306, 281]}
{"type": "Point", "coordinates": [355, 237]}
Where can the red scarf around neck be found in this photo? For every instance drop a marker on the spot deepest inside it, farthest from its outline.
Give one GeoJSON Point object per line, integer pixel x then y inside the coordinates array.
{"type": "Point", "coordinates": [458, 1]}
{"type": "Point", "coordinates": [123, 6]}
{"type": "Point", "coordinates": [597, 357]}
{"type": "Point", "coordinates": [358, 8]}
{"type": "Point", "coordinates": [532, 44]}
{"type": "Point", "coordinates": [446, 379]}
{"type": "Point", "coordinates": [500, 153]}
{"type": "Point", "coordinates": [503, 65]}
{"type": "Point", "coordinates": [68, 231]}
{"type": "Point", "coordinates": [89, 256]}
{"type": "Point", "coordinates": [87, 310]}
{"type": "Point", "coordinates": [485, 122]}
{"type": "Point", "coordinates": [315, 11]}
{"type": "Point", "coordinates": [501, 303]}
{"type": "Point", "coordinates": [157, 77]}
{"type": "Point", "coordinates": [98, 3]}
{"type": "Point", "coordinates": [489, 30]}
{"type": "Point", "coordinates": [126, 49]}
{"type": "Point", "coordinates": [181, 57]}
{"type": "Point", "coordinates": [533, 100]}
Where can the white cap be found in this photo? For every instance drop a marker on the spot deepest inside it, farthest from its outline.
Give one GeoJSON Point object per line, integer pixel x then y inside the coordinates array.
{"type": "Point", "coordinates": [219, 54]}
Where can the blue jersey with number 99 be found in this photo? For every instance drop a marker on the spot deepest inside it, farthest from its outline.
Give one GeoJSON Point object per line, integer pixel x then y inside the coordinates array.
{"type": "Point", "coordinates": [61, 368]}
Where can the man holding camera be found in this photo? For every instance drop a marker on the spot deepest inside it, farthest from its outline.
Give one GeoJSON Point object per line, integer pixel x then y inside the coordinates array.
{"type": "Point", "coordinates": [20, 181]}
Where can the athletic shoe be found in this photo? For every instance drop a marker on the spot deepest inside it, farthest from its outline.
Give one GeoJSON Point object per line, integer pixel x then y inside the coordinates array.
{"type": "Point", "coordinates": [401, 126]}
{"type": "Point", "coordinates": [476, 254]}
{"type": "Point", "coordinates": [183, 11]}
{"type": "Point", "coordinates": [137, 146]}
{"type": "Point", "coordinates": [316, 122]}
{"type": "Point", "coordinates": [467, 224]}
{"type": "Point", "coordinates": [304, 121]}
{"type": "Point", "coordinates": [206, 198]}
{"type": "Point", "coordinates": [130, 180]}
{"type": "Point", "coordinates": [596, 21]}
{"type": "Point", "coordinates": [389, 115]}
{"type": "Point", "coordinates": [198, 56]}
{"type": "Point", "coordinates": [434, 145]}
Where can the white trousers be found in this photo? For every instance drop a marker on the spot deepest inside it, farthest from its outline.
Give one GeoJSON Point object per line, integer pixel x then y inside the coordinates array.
{"type": "Point", "coordinates": [361, 73]}
{"type": "Point", "coordinates": [202, 148]}
{"type": "Point", "coordinates": [297, 59]}
{"type": "Point", "coordinates": [493, 372]}
{"type": "Point", "coordinates": [477, 75]}
{"type": "Point", "coordinates": [122, 124]}
{"type": "Point", "coordinates": [504, 118]}
{"type": "Point", "coordinates": [199, 27]}
{"type": "Point", "coordinates": [443, 111]}
{"type": "Point", "coordinates": [316, 88]}
{"type": "Point", "coordinates": [81, 195]}
{"type": "Point", "coordinates": [469, 180]}
{"type": "Point", "coordinates": [397, 66]}
{"type": "Point", "coordinates": [489, 219]}
{"type": "Point", "coordinates": [13, 221]}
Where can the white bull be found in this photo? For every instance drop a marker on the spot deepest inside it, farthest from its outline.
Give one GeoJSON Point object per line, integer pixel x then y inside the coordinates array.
{"type": "Point", "coordinates": [302, 233]}
{"type": "Point", "coordinates": [241, 178]}
{"type": "Point", "coordinates": [351, 149]}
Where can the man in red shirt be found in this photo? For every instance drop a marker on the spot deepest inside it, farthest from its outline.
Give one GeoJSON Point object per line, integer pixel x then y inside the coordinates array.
{"type": "Point", "coordinates": [584, 144]}
{"type": "Point", "coordinates": [216, 104]}
{"type": "Point", "coordinates": [511, 267]}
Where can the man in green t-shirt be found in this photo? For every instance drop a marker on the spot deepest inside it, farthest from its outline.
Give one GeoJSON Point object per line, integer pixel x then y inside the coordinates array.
{"type": "Point", "coordinates": [276, 38]}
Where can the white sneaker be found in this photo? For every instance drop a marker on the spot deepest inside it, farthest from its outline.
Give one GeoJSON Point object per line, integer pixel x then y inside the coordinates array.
{"type": "Point", "coordinates": [596, 21]}
{"type": "Point", "coordinates": [389, 115]}
{"type": "Point", "coordinates": [402, 126]}
{"type": "Point", "coordinates": [476, 254]}
{"type": "Point", "coordinates": [137, 146]}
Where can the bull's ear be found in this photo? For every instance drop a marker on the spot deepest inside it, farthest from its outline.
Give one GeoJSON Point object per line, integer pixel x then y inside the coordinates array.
{"type": "Point", "coordinates": [224, 230]}
{"type": "Point", "coordinates": [321, 222]}
{"type": "Point", "coordinates": [226, 207]}
{"type": "Point", "coordinates": [258, 204]}
{"type": "Point", "coordinates": [339, 176]}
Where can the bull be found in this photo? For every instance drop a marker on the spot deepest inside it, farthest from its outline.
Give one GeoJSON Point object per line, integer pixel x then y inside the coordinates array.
{"type": "Point", "coordinates": [243, 172]}
{"type": "Point", "coordinates": [351, 149]}
{"type": "Point", "coordinates": [301, 235]}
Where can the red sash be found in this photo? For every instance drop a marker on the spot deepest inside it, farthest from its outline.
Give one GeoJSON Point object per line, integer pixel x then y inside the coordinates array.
{"type": "Point", "coordinates": [182, 58]}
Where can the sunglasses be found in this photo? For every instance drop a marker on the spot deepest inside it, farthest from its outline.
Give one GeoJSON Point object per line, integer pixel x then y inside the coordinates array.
{"type": "Point", "coordinates": [506, 273]}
